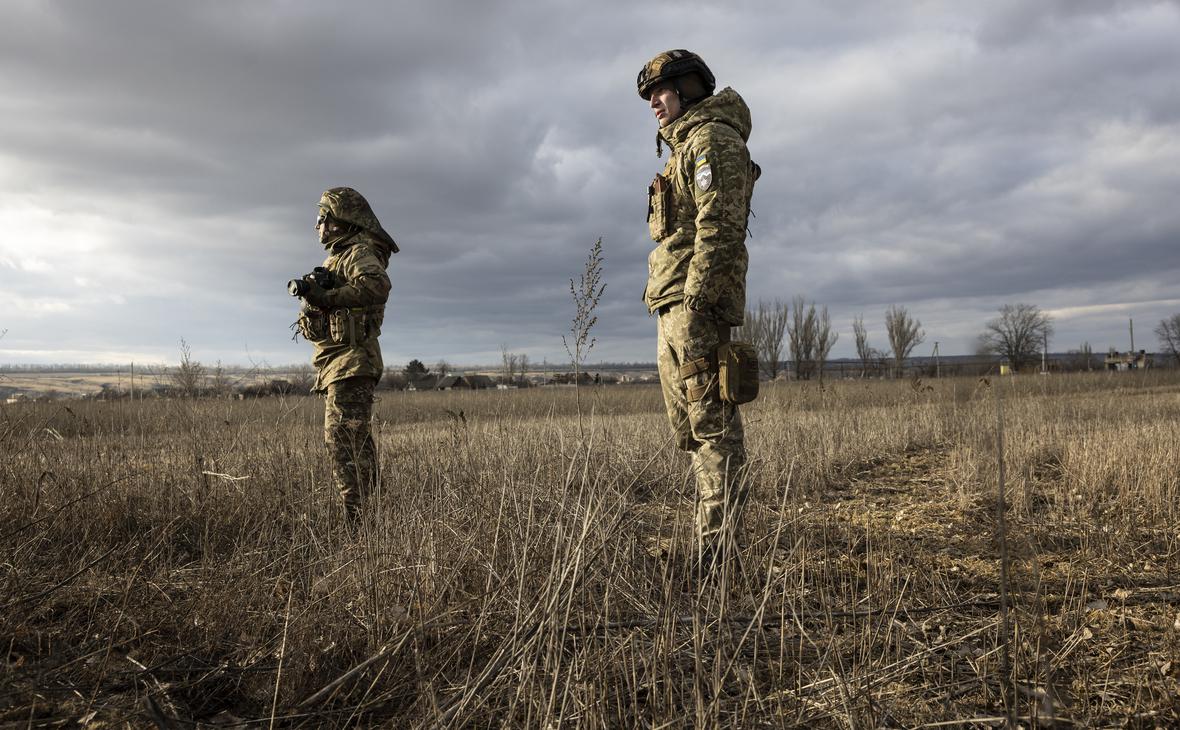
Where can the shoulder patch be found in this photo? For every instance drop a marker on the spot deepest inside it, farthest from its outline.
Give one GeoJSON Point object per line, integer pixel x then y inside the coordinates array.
{"type": "Point", "coordinates": [703, 173]}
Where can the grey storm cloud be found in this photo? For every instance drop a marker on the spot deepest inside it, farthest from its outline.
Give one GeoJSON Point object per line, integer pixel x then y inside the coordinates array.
{"type": "Point", "coordinates": [160, 163]}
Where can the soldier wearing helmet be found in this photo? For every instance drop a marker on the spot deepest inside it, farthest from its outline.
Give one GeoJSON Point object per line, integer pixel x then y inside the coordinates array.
{"type": "Point", "coordinates": [697, 216]}
{"type": "Point", "coordinates": [342, 320]}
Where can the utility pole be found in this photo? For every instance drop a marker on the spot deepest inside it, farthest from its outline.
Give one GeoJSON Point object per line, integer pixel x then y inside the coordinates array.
{"type": "Point", "coordinates": [1131, 322]}
{"type": "Point", "coordinates": [1045, 355]}
{"type": "Point", "coordinates": [937, 364]}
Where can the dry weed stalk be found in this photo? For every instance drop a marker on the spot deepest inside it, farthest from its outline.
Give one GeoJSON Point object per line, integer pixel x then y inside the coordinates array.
{"type": "Point", "coordinates": [586, 295]}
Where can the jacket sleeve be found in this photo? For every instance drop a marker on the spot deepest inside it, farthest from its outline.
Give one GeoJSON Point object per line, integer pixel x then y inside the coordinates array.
{"type": "Point", "coordinates": [368, 284]}
{"type": "Point", "coordinates": [721, 210]}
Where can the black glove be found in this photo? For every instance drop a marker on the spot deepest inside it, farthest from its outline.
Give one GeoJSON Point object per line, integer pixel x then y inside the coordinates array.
{"type": "Point", "coordinates": [315, 295]}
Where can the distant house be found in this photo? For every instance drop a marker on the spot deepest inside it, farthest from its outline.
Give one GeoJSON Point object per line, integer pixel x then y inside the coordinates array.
{"type": "Point", "coordinates": [437, 382]}
{"type": "Point", "coordinates": [421, 382]}
{"type": "Point", "coordinates": [432, 382]}
{"type": "Point", "coordinates": [479, 382]}
{"type": "Point", "coordinates": [582, 378]}
{"type": "Point", "coordinates": [451, 382]}
{"type": "Point", "coordinates": [1116, 360]}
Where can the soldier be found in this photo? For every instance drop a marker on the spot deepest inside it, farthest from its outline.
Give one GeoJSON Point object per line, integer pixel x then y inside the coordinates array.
{"type": "Point", "coordinates": [697, 214]}
{"type": "Point", "coordinates": [342, 319]}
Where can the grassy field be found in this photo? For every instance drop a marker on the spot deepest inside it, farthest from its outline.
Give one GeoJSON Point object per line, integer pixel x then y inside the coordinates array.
{"type": "Point", "coordinates": [178, 562]}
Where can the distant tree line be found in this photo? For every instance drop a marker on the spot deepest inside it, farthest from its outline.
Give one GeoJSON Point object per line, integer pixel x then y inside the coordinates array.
{"type": "Point", "coordinates": [809, 338]}
{"type": "Point", "coordinates": [796, 338]}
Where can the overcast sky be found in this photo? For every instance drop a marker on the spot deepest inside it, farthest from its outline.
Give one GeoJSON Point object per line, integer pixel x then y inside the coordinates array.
{"type": "Point", "coordinates": [160, 164]}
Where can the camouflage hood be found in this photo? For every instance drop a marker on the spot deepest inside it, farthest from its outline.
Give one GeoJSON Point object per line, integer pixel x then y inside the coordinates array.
{"type": "Point", "coordinates": [726, 107]}
{"type": "Point", "coordinates": [349, 206]}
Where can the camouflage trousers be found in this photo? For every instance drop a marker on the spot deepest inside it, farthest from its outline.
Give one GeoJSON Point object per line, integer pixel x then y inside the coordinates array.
{"type": "Point", "coordinates": [348, 413]}
{"type": "Point", "coordinates": [704, 425]}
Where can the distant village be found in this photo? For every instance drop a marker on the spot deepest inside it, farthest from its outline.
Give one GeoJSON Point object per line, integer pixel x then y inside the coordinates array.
{"type": "Point", "coordinates": [80, 382]}
{"type": "Point", "coordinates": [40, 383]}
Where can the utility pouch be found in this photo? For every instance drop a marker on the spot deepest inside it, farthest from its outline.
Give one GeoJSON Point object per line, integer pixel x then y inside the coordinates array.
{"type": "Point", "coordinates": [346, 327]}
{"type": "Point", "coordinates": [692, 368]}
{"type": "Point", "coordinates": [737, 371]}
{"type": "Point", "coordinates": [659, 207]}
{"type": "Point", "coordinates": [313, 324]}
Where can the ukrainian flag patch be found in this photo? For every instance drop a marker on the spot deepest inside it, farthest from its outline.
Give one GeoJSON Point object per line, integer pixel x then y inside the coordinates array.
{"type": "Point", "coordinates": [703, 174]}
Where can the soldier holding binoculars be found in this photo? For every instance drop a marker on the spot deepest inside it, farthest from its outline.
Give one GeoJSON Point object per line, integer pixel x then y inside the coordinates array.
{"type": "Point", "coordinates": [343, 308]}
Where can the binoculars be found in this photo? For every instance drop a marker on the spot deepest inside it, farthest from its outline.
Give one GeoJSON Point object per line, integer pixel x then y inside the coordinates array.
{"type": "Point", "coordinates": [322, 276]}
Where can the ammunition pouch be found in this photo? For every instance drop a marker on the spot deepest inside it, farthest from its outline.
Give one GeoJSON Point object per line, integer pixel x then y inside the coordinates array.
{"type": "Point", "coordinates": [733, 370]}
{"type": "Point", "coordinates": [691, 368]}
{"type": "Point", "coordinates": [659, 207]}
{"type": "Point", "coordinates": [353, 326]}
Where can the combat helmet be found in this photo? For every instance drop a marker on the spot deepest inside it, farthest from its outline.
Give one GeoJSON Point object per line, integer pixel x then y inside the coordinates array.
{"type": "Point", "coordinates": [674, 66]}
{"type": "Point", "coordinates": [349, 206]}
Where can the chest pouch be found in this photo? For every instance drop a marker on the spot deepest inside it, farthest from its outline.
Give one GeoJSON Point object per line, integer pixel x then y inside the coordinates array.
{"type": "Point", "coordinates": [659, 208]}
{"type": "Point", "coordinates": [737, 371]}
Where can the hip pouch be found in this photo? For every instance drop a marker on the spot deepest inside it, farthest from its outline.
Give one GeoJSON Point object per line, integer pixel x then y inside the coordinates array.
{"type": "Point", "coordinates": [659, 207]}
{"type": "Point", "coordinates": [736, 369]}
{"type": "Point", "coordinates": [347, 326]}
{"type": "Point", "coordinates": [737, 365]}
{"type": "Point", "coordinates": [313, 325]}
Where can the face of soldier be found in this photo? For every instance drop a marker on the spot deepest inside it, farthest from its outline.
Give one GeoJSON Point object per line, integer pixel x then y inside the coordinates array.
{"type": "Point", "coordinates": [665, 103]}
{"type": "Point", "coordinates": [326, 227]}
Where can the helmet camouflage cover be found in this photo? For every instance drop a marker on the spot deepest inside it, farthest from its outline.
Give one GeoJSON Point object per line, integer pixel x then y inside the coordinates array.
{"type": "Point", "coordinates": [349, 206]}
{"type": "Point", "coordinates": [670, 65]}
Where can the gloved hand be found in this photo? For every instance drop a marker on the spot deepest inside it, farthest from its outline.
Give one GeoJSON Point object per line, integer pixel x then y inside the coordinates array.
{"type": "Point", "coordinates": [316, 295]}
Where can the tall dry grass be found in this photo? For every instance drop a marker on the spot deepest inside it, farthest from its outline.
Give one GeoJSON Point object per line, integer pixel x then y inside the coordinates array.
{"type": "Point", "coordinates": [184, 561]}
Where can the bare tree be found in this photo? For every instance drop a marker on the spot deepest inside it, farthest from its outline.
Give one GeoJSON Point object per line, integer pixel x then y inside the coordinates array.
{"type": "Point", "coordinates": [801, 336]}
{"type": "Point", "coordinates": [869, 356]}
{"type": "Point", "coordinates": [189, 375]}
{"type": "Point", "coordinates": [1018, 334]}
{"type": "Point", "coordinates": [764, 329]}
{"type": "Point", "coordinates": [523, 367]}
{"type": "Point", "coordinates": [510, 360]}
{"type": "Point", "coordinates": [303, 377]}
{"type": "Point", "coordinates": [904, 332]}
{"type": "Point", "coordinates": [1083, 357]}
{"type": "Point", "coordinates": [1169, 333]}
{"type": "Point", "coordinates": [825, 339]}
{"type": "Point", "coordinates": [442, 368]}
{"type": "Point", "coordinates": [774, 326]}
{"type": "Point", "coordinates": [219, 382]}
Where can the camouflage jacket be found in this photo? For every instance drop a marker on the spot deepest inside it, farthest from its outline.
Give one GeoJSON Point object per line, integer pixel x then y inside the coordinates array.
{"type": "Point", "coordinates": [698, 208]}
{"type": "Point", "coordinates": [344, 330]}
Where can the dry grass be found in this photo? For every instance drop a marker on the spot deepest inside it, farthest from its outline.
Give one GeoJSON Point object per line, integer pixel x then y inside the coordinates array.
{"type": "Point", "coordinates": [178, 562]}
